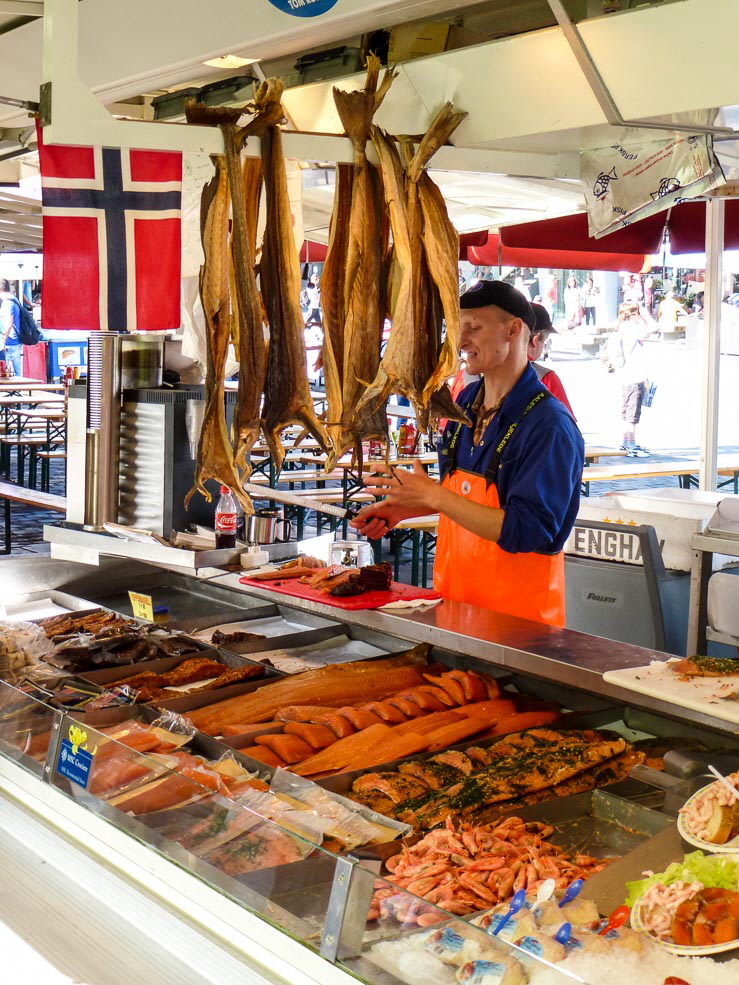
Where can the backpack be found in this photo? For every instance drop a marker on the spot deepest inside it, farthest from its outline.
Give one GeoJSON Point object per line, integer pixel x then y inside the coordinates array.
{"type": "Point", "coordinates": [28, 330]}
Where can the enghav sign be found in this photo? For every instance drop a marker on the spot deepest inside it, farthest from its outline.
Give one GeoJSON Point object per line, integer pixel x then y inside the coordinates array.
{"type": "Point", "coordinates": [304, 8]}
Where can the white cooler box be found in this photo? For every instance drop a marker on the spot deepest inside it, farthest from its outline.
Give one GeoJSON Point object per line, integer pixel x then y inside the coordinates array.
{"type": "Point", "coordinates": [675, 514]}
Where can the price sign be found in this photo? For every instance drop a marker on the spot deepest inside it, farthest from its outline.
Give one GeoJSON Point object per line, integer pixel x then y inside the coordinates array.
{"type": "Point", "coordinates": [304, 8]}
{"type": "Point", "coordinates": [142, 606]}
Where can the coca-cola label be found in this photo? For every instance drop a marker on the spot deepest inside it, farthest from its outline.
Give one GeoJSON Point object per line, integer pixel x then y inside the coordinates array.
{"type": "Point", "coordinates": [226, 522]}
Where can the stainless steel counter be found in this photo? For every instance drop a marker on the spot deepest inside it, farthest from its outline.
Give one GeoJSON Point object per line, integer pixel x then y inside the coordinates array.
{"type": "Point", "coordinates": [575, 660]}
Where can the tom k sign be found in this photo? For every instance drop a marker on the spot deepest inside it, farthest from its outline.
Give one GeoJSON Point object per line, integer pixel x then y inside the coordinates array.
{"type": "Point", "coordinates": [304, 8]}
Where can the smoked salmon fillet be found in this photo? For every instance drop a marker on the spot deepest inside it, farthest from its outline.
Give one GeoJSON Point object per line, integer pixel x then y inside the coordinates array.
{"type": "Point", "coordinates": [343, 684]}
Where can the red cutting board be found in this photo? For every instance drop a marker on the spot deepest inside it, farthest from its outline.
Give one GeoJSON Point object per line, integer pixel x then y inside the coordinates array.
{"type": "Point", "coordinates": [369, 600]}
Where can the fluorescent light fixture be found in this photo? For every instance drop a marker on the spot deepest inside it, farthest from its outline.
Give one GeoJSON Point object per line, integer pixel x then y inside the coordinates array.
{"type": "Point", "coordinates": [230, 61]}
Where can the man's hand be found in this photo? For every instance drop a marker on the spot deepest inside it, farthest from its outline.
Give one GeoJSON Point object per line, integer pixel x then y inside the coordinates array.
{"type": "Point", "coordinates": [411, 490]}
{"type": "Point", "coordinates": [407, 493]}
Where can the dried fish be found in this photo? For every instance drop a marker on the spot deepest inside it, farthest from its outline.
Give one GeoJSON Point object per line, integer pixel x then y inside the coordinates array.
{"type": "Point", "coordinates": [355, 265]}
{"type": "Point", "coordinates": [287, 398]}
{"type": "Point", "coordinates": [423, 279]}
{"type": "Point", "coordinates": [215, 455]}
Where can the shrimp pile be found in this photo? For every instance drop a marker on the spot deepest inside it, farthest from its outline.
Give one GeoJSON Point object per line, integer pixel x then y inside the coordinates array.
{"type": "Point", "coordinates": [659, 904]}
{"type": "Point", "coordinates": [698, 813]}
{"type": "Point", "coordinates": [469, 868]}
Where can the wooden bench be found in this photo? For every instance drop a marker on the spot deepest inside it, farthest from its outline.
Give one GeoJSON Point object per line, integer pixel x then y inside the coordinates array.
{"type": "Point", "coordinates": [685, 471]}
{"type": "Point", "coordinates": [11, 493]}
{"type": "Point", "coordinates": [46, 457]}
{"type": "Point", "coordinates": [422, 531]}
{"type": "Point", "coordinates": [26, 445]}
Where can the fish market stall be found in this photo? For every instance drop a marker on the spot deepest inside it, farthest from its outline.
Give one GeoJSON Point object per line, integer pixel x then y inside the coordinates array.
{"type": "Point", "coordinates": [227, 843]}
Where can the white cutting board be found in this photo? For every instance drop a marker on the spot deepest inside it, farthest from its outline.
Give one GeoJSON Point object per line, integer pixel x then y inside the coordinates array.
{"type": "Point", "coordinates": [702, 694]}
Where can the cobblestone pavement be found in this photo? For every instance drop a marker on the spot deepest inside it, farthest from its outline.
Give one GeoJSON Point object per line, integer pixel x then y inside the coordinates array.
{"type": "Point", "coordinates": [671, 428]}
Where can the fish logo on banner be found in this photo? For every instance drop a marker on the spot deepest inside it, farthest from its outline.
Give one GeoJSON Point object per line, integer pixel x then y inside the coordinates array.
{"type": "Point", "coordinates": [112, 235]}
{"type": "Point", "coordinates": [638, 188]}
{"type": "Point", "coordinates": [666, 186]}
{"type": "Point", "coordinates": [602, 183]}
{"type": "Point", "coordinates": [304, 8]}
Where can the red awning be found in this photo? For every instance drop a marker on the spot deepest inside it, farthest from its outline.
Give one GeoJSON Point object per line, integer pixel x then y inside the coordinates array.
{"type": "Point", "coordinates": [316, 252]}
{"type": "Point", "coordinates": [686, 226]}
{"type": "Point", "coordinates": [495, 252]}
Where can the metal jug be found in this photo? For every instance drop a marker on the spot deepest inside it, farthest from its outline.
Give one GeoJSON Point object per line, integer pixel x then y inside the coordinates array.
{"type": "Point", "coordinates": [261, 527]}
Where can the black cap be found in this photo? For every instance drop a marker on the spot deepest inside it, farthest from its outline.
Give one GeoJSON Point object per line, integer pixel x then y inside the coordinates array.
{"type": "Point", "coordinates": [543, 321]}
{"type": "Point", "coordinates": [503, 296]}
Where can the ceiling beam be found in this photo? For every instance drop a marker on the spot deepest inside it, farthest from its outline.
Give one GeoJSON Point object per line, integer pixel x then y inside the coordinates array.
{"type": "Point", "coordinates": [24, 8]}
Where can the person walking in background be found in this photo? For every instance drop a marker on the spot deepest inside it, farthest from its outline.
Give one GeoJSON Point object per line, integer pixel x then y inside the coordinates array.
{"type": "Point", "coordinates": [546, 374]}
{"type": "Point", "coordinates": [668, 311]}
{"type": "Point", "coordinates": [10, 323]}
{"type": "Point", "coordinates": [572, 303]}
{"type": "Point", "coordinates": [625, 356]}
{"type": "Point", "coordinates": [649, 292]}
{"type": "Point", "coordinates": [589, 294]}
{"type": "Point", "coordinates": [550, 298]}
{"type": "Point", "coordinates": [314, 303]}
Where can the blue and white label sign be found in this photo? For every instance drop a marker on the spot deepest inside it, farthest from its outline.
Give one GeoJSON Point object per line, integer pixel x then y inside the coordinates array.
{"type": "Point", "coordinates": [304, 8]}
{"type": "Point", "coordinates": [74, 763]}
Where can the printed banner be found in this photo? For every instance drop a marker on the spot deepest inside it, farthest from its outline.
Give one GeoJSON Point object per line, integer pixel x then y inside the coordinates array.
{"type": "Point", "coordinates": [632, 180]}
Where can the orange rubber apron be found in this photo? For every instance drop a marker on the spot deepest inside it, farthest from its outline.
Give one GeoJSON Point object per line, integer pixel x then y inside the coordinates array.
{"type": "Point", "coordinates": [468, 568]}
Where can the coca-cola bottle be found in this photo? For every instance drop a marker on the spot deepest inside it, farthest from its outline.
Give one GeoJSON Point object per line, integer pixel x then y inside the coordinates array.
{"type": "Point", "coordinates": [226, 516]}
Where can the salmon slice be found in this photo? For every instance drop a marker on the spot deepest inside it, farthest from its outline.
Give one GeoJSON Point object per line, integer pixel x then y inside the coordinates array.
{"type": "Point", "coordinates": [408, 707]}
{"type": "Point", "coordinates": [340, 753]}
{"type": "Point", "coordinates": [387, 712]}
{"type": "Point", "coordinates": [452, 687]}
{"type": "Point", "coordinates": [474, 688]}
{"type": "Point", "coordinates": [264, 755]}
{"type": "Point", "coordinates": [397, 787]}
{"type": "Point", "coordinates": [290, 748]}
{"type": "Point", "coordinates": [359, 717]}
{"type": "Point", "coordinates": [434, 775]}
{"type": "Point", "coordinates": [317, 736]}
{"type": "Point", "coordinates": [426, 699]}
{"type": "Point", "coordinates": [339, 725]}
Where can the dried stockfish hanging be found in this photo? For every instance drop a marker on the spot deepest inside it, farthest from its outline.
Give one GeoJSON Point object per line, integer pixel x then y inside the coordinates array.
{"type": "Point", "coordinates": [287, 397]}
{"type": "Point", "coordinates": [215, 455]}
{"type": "Point", "coordinates": [416, 363]}
{"type": "Point", "coordinates": [353, 283]}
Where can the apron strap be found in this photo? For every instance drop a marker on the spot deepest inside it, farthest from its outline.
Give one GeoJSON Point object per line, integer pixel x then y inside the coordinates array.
{"type": "Point", "coordinates": [491, 472]}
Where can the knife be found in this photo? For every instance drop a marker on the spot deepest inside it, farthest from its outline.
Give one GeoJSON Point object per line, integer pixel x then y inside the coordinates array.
{"type": "Point", "coordinates": [289, 499]}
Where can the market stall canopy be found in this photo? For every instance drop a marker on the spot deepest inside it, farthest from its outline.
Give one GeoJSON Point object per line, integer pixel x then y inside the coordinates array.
{"type": "Point", "coordinates": [684, 224]}
{"type": "Point", "coordinates": [495, 252]}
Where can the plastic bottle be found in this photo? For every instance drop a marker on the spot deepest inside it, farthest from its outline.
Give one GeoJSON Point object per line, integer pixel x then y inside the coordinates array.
{"type": "Point", "coordinates": [226, 517]}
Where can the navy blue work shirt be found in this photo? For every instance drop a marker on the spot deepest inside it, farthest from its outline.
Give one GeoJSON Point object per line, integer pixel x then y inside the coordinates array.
{"type": "Point", "coordinates": [540, 472]}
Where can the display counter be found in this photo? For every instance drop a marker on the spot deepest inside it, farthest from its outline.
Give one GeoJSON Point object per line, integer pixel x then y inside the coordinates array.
{"type": "Point", "coordinates": [300, 920]}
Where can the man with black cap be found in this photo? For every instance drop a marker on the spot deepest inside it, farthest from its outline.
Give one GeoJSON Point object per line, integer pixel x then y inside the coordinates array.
{"type": "Point", "coordinates": [510, 483]}
{"type": "Point", "coordinates": [539, 336]}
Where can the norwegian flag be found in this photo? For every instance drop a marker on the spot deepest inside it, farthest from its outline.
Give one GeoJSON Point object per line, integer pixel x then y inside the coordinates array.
{"type": "Point", "coordinates": [111, 235]}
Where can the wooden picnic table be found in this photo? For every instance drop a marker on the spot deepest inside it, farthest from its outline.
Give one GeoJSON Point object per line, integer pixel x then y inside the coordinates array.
{"type": "Point", "coordinates": [685, 470]}
{"type": "Point", "coordinates": [593, 453]}
{"type": "Point", "coordinates": [14, 386]}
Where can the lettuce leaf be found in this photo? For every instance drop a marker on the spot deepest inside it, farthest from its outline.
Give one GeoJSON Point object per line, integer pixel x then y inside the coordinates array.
{"type": "Point", "coordinates": [712, 870]}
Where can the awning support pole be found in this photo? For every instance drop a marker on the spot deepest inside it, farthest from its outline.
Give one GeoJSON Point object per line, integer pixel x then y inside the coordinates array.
{"type": "Point", "coordinates": [711, 342]}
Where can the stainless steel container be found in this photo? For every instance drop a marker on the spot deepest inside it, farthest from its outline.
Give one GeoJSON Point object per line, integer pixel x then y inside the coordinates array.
{"type": "Point", "coordinates": [261, 527]}
{"type": "Point", "coordinates": [351, 553]}
{"type": "Point", "coordinates": [142, 360]}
